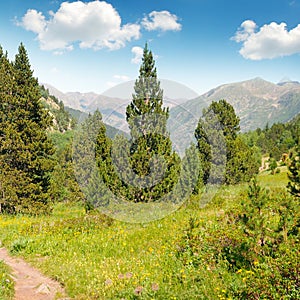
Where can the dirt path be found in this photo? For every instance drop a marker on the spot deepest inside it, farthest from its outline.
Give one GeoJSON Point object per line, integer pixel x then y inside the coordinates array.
{"type": "Point", "coordinates": [30, 284]}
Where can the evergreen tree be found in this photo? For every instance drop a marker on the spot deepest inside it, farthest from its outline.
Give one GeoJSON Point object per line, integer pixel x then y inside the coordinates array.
{"type": "Point", "coordinates": [64, 186]}
{"type": "Point", "coordinates": [145, 168]}
{"type": "Point", "coordinates": [294, 173]}
{"type": "Point", "coordinates": [243, 164]}
{"type": "Point", "coordinates": [91, 147]}
{"type": "Point", "coordinates": [212, 148]}
{"type": "Point", "coordinates": [224, 156]}
{"type": "Point", "coordinates": [25, 150]}
{"type": "Point", "coordinates": [152, 159]}
{"type": "Point", "coordinates": [147, 99]}
{"type": "Point", "coordinates": [254, 216]}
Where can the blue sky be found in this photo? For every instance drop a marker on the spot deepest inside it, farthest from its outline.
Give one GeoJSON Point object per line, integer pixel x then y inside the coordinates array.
{"type": "Point", "coordinates": [93, 45]}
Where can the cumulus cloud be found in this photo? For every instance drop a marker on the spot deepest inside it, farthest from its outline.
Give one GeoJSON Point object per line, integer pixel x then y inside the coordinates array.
{"type": "Point", "coordinates": [161, 20]}
{"type": "Point", "coordinates": [246, 29]}
{"type": "Point", "coordinates": [34, 21]}
{"type": "Point", "coordinates": [138, 54]}
{"type": "Point", "coordinates": [269, 41]}
{"type": "Point", "coordinates": [93, 25]}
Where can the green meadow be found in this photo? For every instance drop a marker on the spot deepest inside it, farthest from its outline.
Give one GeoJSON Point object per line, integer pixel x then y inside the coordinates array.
{"type": "Point", "coordinates": [195, 253]}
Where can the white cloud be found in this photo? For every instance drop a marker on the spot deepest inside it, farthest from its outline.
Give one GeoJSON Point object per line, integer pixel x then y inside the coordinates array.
{"type": "Point", "coordinates": [161, 20]}
{"type": "Point", "coordinates": [138, 54]}
{"type": "Point", "coordinates": [94, 25]}
{"type": "Point", "coordinates": [247, 28]}
{"type": "Point", "coordinates": [33, 21]}
{"type": "Point", "coordinates": [270, 41]}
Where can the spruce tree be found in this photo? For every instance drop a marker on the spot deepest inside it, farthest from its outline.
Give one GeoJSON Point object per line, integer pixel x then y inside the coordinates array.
{"type": "Point", "coordinates": [7, 178]}
{"type": "Point", "coordinates": [26, 150]}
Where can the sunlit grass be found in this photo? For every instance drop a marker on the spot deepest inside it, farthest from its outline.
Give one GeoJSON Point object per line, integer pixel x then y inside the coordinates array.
{"type": "Point", "coordinates": [6, 283]}
{"type": "Point", "coordinates": [96, 257]}
{"type": "Point", "coordinates": [280, 179]}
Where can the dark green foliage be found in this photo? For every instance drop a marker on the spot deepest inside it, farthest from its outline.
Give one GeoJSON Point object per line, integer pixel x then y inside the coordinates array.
{"type": "Point", "coordinates": [273, 166]}
{"type": "Point", "coordinates": [224, 156]}
{"type": "Point", "coordinates": [145, 168]}
{"type": "Point", "coordinates": [64, 186]}
{"type": "Point", "coordinates": [25, 150]}
{"type": "Point", "coordinates": [212, 148]}
{"type": "Point", "coordinates": [89, 143]}
{"type": "Point", "coordinates": [294, 173]}
{"type": "Point", "coordinates": [148, 96]}
{"type": "Point", "coordinates": [227, 117]}
{"type": "Point", "coordinates": [275, 140]}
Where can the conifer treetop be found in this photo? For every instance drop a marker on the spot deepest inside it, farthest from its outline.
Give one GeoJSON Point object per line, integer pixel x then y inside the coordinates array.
{"type": "Point", "coordinates": [148, 96]}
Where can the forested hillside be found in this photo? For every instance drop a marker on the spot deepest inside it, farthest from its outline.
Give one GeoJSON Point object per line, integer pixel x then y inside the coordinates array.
{"type": "Point", "coordinates": [62, 120]}
{"type": "Point", "coordinates": [277, 140]}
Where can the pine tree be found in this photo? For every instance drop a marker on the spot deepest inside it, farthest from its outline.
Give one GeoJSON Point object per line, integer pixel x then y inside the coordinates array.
{"type": "Point", "coordinates": [224, 156]}
{"type": "Point", "coordinates": [152, 159]}
{"type": "Point", "coordinates": [211, 144]}
{"type": "Point", "coordinates": [7, 181]}
{"type": "Point", "coordinates": [26, 151]}
{"type": "Point", "coordinates": [294, 173]}
{"type": "Point", "coordinates": [147, 99]}
{"type": "Point", "coordinates": [91, 147]}
{"type": "Point", "coordinates": [255, 218]}
{"type": "Point", "coordinates": [146, 168]}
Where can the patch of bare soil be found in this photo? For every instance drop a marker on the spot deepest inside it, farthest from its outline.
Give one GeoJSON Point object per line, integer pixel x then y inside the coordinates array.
{"type": "Point", "coordinates": [30, 284]}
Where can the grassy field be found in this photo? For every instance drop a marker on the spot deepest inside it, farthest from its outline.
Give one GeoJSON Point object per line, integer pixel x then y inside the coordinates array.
{"type": "Point", "coordinates": [6, 283]}
{"type": "Point", "coordinates": [179, 257]}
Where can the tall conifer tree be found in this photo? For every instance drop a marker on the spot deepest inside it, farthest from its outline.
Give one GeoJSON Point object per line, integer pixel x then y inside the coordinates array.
{"type": "Point", "coordinates": [145, 168]}
{"type": "Point", "coordinates": [25, 149]}
{"type": "Point", "coordinates": [152, 159]}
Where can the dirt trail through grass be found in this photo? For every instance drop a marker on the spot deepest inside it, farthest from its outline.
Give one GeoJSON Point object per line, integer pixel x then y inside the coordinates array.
{"type": "Point", "coordinates": [30, 284]}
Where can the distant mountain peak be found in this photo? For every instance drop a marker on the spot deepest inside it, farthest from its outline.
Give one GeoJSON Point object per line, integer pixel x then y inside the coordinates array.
{"type": "Point", "coordinates": [256, 101]}
{"type": "Point", "coordinates": [287, 80]}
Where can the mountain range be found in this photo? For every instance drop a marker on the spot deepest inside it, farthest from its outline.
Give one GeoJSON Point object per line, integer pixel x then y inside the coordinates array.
{"type": "Point", "coordinates": [257, 102]}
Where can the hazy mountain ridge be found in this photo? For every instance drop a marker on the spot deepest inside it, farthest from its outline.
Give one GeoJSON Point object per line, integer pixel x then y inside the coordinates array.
{"type": "Point", "coordinates": [111, 106]}
{"type": "Point", "coordinates": [256, 101]}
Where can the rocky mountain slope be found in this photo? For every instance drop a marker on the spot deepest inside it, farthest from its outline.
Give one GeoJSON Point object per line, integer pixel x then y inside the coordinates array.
{"type": "Point", "coordinates": [112, 104]}
{"type": "Point", "coordinates": [257, 102]}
